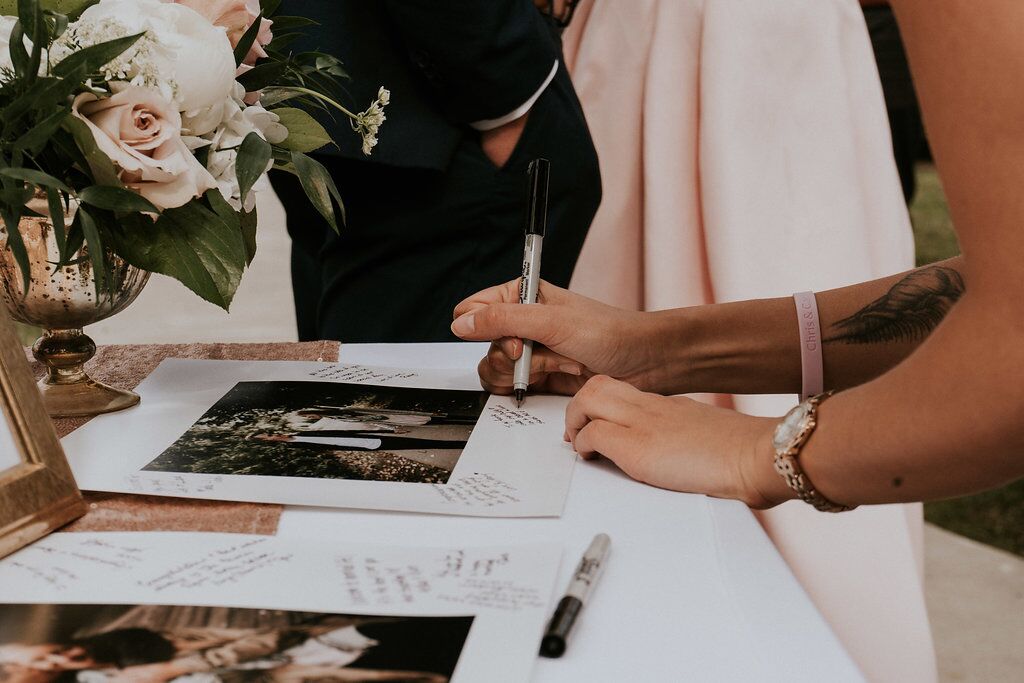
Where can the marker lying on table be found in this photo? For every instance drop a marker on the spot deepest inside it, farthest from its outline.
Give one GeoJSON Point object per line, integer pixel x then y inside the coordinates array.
{"type": "Point", "coordinates": [536, 224]}
{"type": "Point", "coordinates": [580, 588]}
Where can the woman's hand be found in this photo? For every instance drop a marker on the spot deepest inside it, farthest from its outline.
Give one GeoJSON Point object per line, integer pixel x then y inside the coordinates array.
{"type": "Point", "coordinates": [580, 337]}
{"type": "Point", "coordinates": [673, 442]}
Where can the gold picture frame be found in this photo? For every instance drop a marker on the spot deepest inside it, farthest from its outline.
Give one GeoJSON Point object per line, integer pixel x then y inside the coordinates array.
{"type": "Point", "coordinates": [38, 493]}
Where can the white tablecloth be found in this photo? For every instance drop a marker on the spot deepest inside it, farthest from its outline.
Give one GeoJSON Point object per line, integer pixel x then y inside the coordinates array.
{"type": "Point", "coordinates": [693, 589]}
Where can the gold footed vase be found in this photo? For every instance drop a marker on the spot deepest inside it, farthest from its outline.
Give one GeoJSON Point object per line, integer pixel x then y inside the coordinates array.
{"type": "Point", "coordinates": [63, 301]}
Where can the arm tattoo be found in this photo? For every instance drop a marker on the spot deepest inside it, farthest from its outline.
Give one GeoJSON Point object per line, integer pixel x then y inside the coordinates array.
{"type": "Point", "coordinates": [910, 310]}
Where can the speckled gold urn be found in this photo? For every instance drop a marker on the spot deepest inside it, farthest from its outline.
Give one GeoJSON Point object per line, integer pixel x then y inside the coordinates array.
{"type": "Point", "coordinates": [62, 301]}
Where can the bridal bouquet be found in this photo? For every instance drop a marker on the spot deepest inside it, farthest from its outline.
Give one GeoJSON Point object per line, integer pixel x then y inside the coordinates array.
{"type": "Point", "coordinates": [153, 123]}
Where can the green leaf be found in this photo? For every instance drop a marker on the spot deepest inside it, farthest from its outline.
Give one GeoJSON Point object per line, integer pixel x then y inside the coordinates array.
{"type": "Point", "coordinates": [305, 134]}
{"type": "Point", "coordinates": [202, 249]}
{"type": "Point", "coordinates": [56, 24]}
{"type": "Point", "coordinates": [248, 225]}
{"type": "Point", "coordinates": [97, 256]}
{"type": "Point", "coordinates": [11, 218]}
{"type": "Point", "coordinates": [35, 177]}
{"type": "Point", "coordinates": [71, 8]}
{"type": "Point", "coordinates": [31, 19]}
{"type": "Point", "coordinates": [319, 187]}
{"type": "Point", "coordinates": [100, 166]}
{"type": "Point", "coordinates": [19, 55]}
{"type": "Point", "coordinates": [37, 136]}
{"type": "Point", "coordinates": [246, 41]}
{"type": "Point", "coordinates": [247, 222]}
{"type": "Point", "coordinates": [262, 75]}
{"type": "Point", "coordinates": [44, 94]}
{"type": "Point", "coordinates": [95, 56]}
{"type": "Point", "coordinates": [269, 7]}
{"type": "Point", "coordinates": [117, 199]}
{"type": "Point", "coordinates": [16, 197]}
{"type": "Point", "coordinates": [253, 158]}
{"type": "Point", "coordinates": [57, 220]}
{"type": "Point", "coordinates": [282, 24]}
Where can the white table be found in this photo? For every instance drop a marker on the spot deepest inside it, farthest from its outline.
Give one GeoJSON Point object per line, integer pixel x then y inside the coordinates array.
{"type": "Point", "coordinates": [693, 590]}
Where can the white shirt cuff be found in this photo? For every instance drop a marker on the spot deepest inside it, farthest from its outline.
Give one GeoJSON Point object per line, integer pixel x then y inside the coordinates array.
{"type": "Point", "coordinates": [491, 124]}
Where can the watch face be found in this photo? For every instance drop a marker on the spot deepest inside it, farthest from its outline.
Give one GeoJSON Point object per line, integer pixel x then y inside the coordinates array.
{"type": "Point", "coordinates": [790, 426]}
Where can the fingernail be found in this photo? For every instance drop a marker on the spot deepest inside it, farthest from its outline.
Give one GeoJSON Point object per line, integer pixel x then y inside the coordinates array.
{"type": "Point", "coordinates": [464, 325]}
{"type": "Point", "coordinates": [571, 369]}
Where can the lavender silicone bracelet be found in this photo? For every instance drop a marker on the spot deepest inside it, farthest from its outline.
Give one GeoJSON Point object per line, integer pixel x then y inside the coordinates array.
{"type": "Point", "coordinates": [810, 345]}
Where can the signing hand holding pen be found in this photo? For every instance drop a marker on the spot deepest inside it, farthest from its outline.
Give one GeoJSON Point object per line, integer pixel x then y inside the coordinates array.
{"type": "Point", "coordinates": [576, 337]}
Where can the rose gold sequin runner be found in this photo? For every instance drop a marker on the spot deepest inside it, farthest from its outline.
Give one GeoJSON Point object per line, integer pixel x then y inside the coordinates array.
{"type": "Point", "coordinates": [126, 366]}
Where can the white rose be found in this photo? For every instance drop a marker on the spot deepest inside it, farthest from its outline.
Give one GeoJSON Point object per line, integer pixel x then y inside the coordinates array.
{"type": "Point", "coordinates": [195, 55]}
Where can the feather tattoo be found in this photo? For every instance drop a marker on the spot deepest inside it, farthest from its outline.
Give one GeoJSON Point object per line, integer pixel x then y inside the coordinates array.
{"type": "Point", "coordinates": [910, 310]}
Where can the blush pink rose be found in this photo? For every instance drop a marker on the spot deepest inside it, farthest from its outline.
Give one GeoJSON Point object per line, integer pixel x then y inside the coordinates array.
{"type": "Point", "coordinates": [141, 133]}
{"type": "Point", "coordinates": [235, 16]}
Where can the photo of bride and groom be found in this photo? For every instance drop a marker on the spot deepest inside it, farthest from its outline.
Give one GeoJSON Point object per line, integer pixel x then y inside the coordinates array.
{"type": "Point", "coordinates": [187, 644]}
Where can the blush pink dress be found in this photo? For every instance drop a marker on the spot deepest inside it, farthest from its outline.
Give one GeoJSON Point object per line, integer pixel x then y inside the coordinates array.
{"type": "Point", "coordinates": [745, 153]}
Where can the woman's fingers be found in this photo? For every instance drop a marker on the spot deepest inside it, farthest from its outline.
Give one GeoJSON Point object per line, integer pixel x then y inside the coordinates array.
{"type": "Point", "coordinates": [497, 368]}
{"type": "Point", "coordinates": [601, 398]}
{"type": "Point", "coordinates": [600, 437]}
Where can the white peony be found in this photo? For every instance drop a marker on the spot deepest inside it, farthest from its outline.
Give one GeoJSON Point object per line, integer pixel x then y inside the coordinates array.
{"type": "Point", "coordinates": [183, 49]}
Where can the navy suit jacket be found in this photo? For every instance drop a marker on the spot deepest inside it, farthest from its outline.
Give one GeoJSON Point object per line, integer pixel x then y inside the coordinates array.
{"type": "Point", "coordinates": [446, 62]}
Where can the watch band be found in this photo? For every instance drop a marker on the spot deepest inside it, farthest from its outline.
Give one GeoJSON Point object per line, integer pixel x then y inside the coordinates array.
{"type": "Point", "coordinates": [788, 467]}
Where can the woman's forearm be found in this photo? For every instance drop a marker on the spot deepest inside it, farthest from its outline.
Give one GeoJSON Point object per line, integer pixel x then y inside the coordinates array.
{"type": "Point", "coordinates": [947, 421]}
{"type": "Point", "coordinates": [752, 347]}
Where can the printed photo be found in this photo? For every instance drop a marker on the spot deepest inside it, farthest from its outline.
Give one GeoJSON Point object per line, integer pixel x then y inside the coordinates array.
{"type": "Point", "coordinates": [328, 430]}
{"type": "Point", "coordinates": [158, 643]}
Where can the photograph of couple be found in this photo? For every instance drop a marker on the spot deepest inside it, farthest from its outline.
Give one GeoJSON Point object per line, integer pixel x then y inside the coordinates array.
{"type": "Point", "coordinates": [329, 430]}
{"type": "Point", "coordinates": [185, 644]}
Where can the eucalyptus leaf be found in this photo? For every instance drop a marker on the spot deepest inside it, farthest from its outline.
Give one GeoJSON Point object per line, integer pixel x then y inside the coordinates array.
{"type": "Point", "coordinates": [316, 181]}
{"type": "Point", "coordinates": [35, 177]}
{"type": "Point", "coordinates": [254, 156]}
{"type": "Point", "coordinates": [305, 134]}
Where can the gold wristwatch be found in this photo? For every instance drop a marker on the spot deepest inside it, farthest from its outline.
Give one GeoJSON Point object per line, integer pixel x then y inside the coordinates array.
{"type": "Point", "coordinates": [790, 436]}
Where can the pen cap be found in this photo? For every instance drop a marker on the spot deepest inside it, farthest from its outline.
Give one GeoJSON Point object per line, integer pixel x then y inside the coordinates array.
{"type": "Point", "coordinates": [537, 205]}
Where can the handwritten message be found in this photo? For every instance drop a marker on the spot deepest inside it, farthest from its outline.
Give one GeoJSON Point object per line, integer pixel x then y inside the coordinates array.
{"type": "Point", "coordinates": [176, 485]}
{"type": "Point", "coordinates": [504, 595]}
{"type": "Point", "coordinates": [371, 581]}
{"type": "Point", "coordinates": [60, 567]}
{"type": "Point", "coordinates": [360, 374]}
{"type": "Point", "coordinates": [478, 490]}
{"type": "Point", "coordinates": [219, 567]}
{"type": "Point", "coordinates": [510, 417]}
